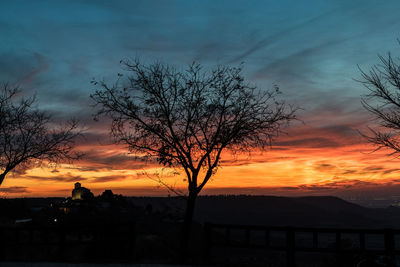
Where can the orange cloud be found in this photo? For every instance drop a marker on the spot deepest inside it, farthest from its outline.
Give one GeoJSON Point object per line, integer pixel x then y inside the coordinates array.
{"type": "Point", "coordinates": [309, 160]}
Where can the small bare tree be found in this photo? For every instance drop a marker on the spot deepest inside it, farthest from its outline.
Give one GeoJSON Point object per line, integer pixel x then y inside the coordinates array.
{"type": "Point", "coordinates": [26, 136]}
{"type": "Point", "coordinates": [188, 118]}
{"type": "Point", "coordinates": [383, 101]}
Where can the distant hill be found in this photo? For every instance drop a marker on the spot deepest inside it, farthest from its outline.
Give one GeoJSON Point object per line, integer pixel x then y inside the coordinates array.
{"type": "Point", "coordinates": [313, 211]}
{"type": "Point", "coordinates": [310, 211]}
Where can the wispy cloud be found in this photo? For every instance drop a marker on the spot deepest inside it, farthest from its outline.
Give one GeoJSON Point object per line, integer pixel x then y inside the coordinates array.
{"type": "Point", "coordinates": [67, 177]}
{"type": "Point", "coordinates": [14, 190]}
{"type": "Point", "coordinates": [283, 33]}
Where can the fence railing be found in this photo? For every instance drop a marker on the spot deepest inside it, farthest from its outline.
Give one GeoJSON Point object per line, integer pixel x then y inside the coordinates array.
{"type": "Point", "coordinates": [67, 242]}
{"type": "Point", "coordinates": [220, 235]}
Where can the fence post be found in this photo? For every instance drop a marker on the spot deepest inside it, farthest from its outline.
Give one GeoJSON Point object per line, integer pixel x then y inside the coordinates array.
{"type": "Point", "coordinates": [390, 246]}
{"type": "Point", "coordinates": [338, 243]}
{"type": "Point", "coordinates": [228, 235]}
{"type": "Point", "coordinates": [362, 241]}
{"type": "Point", "coordinates": [207, 242]}
{"type": "Point", "coordinates": [247, 236]}
{"type": "Point", "coordinates": [267, 238]}
{"type": "Point", "coordinates": [30, 243]}
{"type": "Point", "coordinates": [290, 248]}
{"type": "Point", "coordinates": [62, 238]}
{"type": "Point", "coordinates": [130, 253]}
{"type": "Point", "coordinates": [2, 244]}
{"type": "Point", "coordinates": [315, 239]}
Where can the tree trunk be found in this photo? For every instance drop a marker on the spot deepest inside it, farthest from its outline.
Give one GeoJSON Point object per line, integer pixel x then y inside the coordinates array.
{"type": "Point", "coordinates": [2, 176]}
{"type": "Point", "coordinates": [187, 224]}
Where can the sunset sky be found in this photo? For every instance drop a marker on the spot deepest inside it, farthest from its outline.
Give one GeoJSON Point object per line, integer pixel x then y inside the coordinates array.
{"type": "Point", "coordinates": [310, 49]}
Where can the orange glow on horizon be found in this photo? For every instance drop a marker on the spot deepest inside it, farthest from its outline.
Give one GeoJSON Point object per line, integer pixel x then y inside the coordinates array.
{"type": "Point", "coordinates": [283, 167]}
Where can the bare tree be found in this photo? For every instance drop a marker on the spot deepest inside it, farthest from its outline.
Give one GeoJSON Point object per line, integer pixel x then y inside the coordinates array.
{"type": "Point", "coordinates": [383, 101]}
{"type": "Point", "coordinates": [27, 137]}
{"type": "Point", "coordinates": [188, 118]}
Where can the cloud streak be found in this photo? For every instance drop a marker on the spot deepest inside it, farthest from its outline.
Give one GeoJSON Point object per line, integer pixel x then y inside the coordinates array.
{"type": "Point", "coordinates": [14, 190]}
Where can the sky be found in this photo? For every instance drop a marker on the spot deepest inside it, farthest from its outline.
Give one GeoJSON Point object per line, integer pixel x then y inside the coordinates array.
{"type": "Point", "coordinates": [310, 49]}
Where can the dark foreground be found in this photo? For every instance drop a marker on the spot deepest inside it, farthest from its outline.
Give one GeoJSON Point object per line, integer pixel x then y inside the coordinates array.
{"type": "Point", "coordinates": [63, 264]}
{"type": "Point", "coordinates": [245, 231]}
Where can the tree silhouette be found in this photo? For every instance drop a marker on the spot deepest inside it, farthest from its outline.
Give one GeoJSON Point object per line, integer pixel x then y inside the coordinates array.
{"type": "Point", "coordinates": [27, 137]}
{"type": "Point", "coordinates": [383, 101]}
{"type": "Point", "coordinates": [188, 118]}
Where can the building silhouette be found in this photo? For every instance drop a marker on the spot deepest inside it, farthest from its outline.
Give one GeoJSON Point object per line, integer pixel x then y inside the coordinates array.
{"type": "Point", "coordinates": [81, 193]}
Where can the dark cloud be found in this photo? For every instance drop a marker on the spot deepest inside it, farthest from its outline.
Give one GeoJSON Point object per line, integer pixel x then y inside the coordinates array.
{"type": "Point", "coordinates": [346, 172]}
{"type": "Point", "coordinates": [374, 168]}
{"type": "Point", "coordinates": [110, 178]}
{"type": "Point", "coordinates": [22, 69]}
{"type": "Point", "coordinates": [345, 131]}
{"type": "Point", "coordinates": [360, 172]}
{"type": "Point", "coordinates": [296, 67]}
{"type": "Point", "coordinates": [324, 167]}
{"type": "Point", "coordinates": [288, 188]}
{"type": "Point", "coordinates": [243, 161]}
{"type": "Point", "coordinates": [94, 139]}
{"type": "Point", "coordinates": [316, 187]}
{"type": "Point", "coordinates": [317, 142]}
{"type": "Point", "coordinates": [388, 171]}
{"type": "Point", "coordinates": [312, 136]}
{"type": "Point", "coordinates": [89, 168]}
{"type": "Point", "coordinates": [14, 189]}
{"type": "Point", "coordinates": [273, 38]}
{"type": "Point", "coordinates": [103, 159]}
{"type": "Point", "coordinates": [335, 186]}
{"type": "Point", "coordinates": [68, 177]}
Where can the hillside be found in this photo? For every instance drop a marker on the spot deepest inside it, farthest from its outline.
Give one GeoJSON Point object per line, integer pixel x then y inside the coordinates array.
{"type": "Point", "coordinates": [302, 211]}
{"type": "Point", "coordinates": [311, 211]}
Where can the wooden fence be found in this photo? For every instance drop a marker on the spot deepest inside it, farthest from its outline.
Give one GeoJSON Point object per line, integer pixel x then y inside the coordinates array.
{"type": "Point", "coordinates": [221, 235]}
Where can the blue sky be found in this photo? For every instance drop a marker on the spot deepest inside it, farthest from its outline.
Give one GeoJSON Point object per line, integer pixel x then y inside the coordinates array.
{"type": "Point", "coordinates": [309, 48]}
